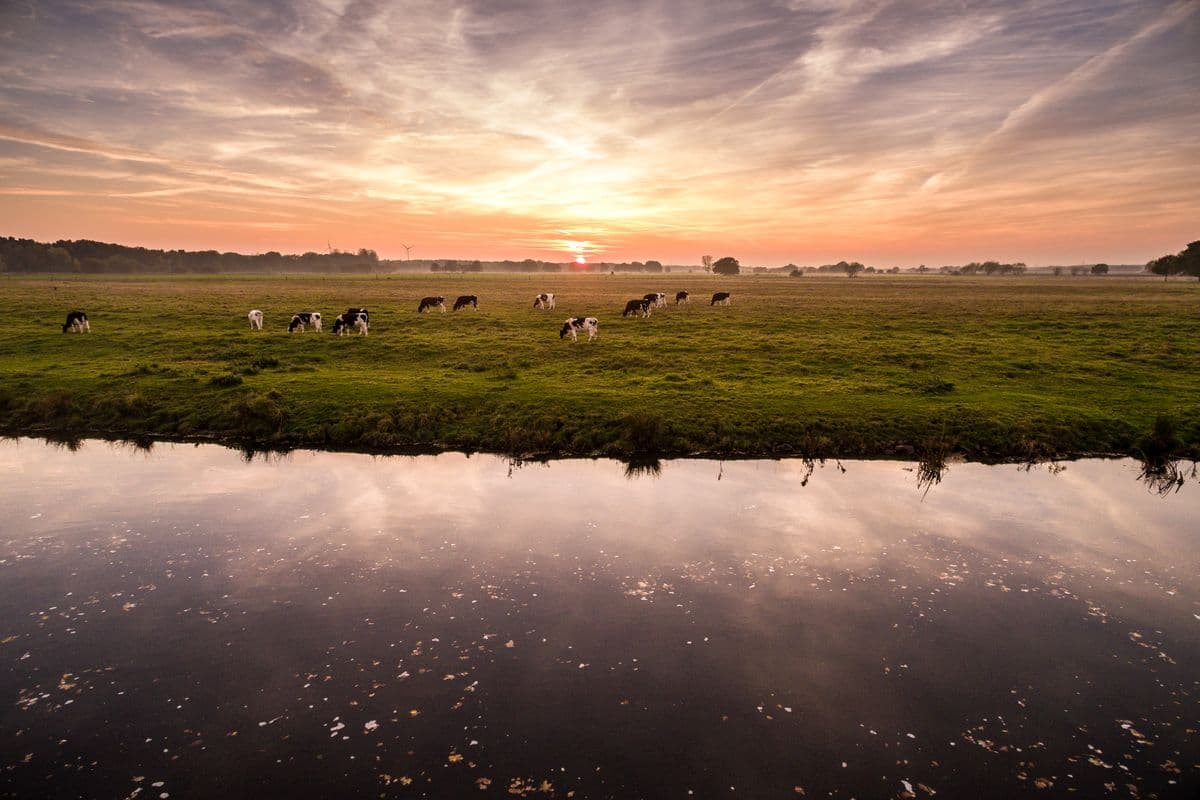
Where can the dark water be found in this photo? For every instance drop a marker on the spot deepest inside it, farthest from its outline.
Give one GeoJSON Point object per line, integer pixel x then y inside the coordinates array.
{"type": "Point", "coordinates": [181, 623]}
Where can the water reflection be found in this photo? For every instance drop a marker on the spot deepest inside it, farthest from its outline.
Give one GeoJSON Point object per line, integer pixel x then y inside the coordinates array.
{"type": "Point", "coordinates": [437, 626]}
{"type": "Point", "coordinates": [644, 468]}
{"type": "Point", "coordinates": [930, 471]}
{"type": "Point", "coordinates": [1166, 476]}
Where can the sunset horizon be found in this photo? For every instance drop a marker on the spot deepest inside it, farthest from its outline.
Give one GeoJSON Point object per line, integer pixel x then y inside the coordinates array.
{"type": "Point", "coordinates": [778, 132]}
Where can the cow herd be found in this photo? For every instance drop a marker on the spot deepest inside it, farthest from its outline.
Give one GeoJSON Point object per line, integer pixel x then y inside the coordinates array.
{"type": "Point", "coordinates": [359, 319]}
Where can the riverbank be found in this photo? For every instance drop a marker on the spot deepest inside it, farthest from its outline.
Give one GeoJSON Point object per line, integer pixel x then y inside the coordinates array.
{"type": "Point", "coordinates": [987, 368]}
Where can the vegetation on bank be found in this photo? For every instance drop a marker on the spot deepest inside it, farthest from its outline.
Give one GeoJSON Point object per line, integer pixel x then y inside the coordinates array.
{"type": "Point", "coordinates": [996, 369]}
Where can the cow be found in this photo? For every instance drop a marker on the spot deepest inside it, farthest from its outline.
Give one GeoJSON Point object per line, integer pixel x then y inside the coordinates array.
{"type": "Point", "coordinates": [77, 321]}
{"type": "Point", "coordinates": [304, 319]}
{"type": "Point", "coordinates": [344, 322]}
{"type": "Point", "coordinates": [681, 297]}
{"type": "Point", "coordinates": [432, 302]}
{"type": "Point", "coordinates": [256, 320]}
{"type": "Point", "coordinates": [467, 300]}
{"type": "Point", "coordinates": [576, 324]}
{"type": "Point", "coordinates": [720, 297]}
{"type": "Point", "coordinates": [351, 313]}
{"type": "Point", "coordinates": [657, 299]}
{"type": "Point", "coordinates": [544, 302]}
{"type": "Point", "coordinates": [637, 305]}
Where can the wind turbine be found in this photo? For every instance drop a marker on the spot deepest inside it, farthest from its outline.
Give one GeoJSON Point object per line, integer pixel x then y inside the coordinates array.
{"type": "Point", "coordinates": [407, 251]}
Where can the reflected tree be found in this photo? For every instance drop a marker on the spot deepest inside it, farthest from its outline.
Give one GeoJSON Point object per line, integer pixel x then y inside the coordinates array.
{"type": "Point", "coordinates": [930, 471]}
{"type": "Point", "coordinates": [64, 441]}
{"type": "Point", "coordinates": [251, 453]}
{"type": "Point", "coordinates": [645, 467]}
{"type": "Point", "coordinates": [1166, 476]}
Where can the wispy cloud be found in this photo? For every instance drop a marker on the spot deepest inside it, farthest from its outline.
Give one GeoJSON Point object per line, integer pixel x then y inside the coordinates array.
{"type": "Point", "coordinates": [893, 130]}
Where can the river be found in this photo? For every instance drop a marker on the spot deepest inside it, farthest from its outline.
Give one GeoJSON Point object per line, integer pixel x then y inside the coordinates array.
{"type": "Point", "coordinates": [184, 622]}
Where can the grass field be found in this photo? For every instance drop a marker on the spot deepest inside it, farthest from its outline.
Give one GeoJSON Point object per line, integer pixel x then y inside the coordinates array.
{"type": "Point", "coordinates": [991, 368]}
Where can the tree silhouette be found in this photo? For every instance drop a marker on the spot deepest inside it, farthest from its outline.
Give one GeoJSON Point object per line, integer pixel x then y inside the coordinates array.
{"type": "Point", "coordinates": [726, 266]}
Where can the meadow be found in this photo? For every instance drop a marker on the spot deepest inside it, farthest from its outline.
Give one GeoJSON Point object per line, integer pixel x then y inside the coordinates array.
{"type": "Point", "coordinates": [989, 368]}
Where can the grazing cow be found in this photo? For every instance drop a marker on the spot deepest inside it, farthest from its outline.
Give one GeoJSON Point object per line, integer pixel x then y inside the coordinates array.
{"type": "Point", "coordinates": [576, 324]}
{"type": "Point", "coordinates": [77, 321]}
{"type": "Point", "coordinates": [432, 302]}
{"type": "Point", "coordinates": [344, 322]}
{"type": "Point", "coordinates": [304, 319]}
{"type": "Point", "coordinates": [657, 299]}
{"type": "Point", "coordinates": [256, 320]}
{"type": "Point", "coordinates": [636, 305]}
{"type": "Point", "coordinates": [351, 313]}
{"type": "Point", "coordinates": [544, 302]}
{"type": "Point", "coordinates": [720, 297]}
{"type": "Point", "coordinates": [467, 300]}
{"type": "Point", "coordinates": [681, 297]}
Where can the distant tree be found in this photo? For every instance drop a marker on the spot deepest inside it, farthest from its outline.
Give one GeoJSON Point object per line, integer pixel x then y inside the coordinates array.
{"type": "Point", "coordinates": [853, 268]}
{"type": "Point", "coordinates": [1100, 269]}
{"type": "Point", "coordinates": [1166, 266]}
{"type": "Point", "coordinates": [1185, 262]}
{"type": "Point", "coordinates": [1191, 260]}
{"type": "Point", "coordinates": [796, 272]}
{"type": "Point", "coordinates": [726, 266]}
{"type": "Point", "coordinates": [707, 261]}
{"type": "Point", "coordinates": [921, 270]}
{"type": "Point", "coordinates": [1057, 271]}
{"type": "Point", "coordinates": [654, 266]}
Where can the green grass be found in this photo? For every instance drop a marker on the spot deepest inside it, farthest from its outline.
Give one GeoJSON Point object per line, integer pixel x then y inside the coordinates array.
{"type": "Point", "coordinates": [991, 368]}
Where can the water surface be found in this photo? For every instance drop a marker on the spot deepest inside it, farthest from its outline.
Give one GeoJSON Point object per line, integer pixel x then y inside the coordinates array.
{"type": "Point", "coordinates": [182, 623]}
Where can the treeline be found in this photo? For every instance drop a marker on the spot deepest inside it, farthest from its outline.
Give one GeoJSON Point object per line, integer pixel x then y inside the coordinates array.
{"type": "Point", "coordinates": [533, 265]}
{"type": "Point", "coordinates": [853, 268]}
{"type": "Point", "coordinates": [86, 256]}
{"type": "Point", "coordinates": [1185, 262]}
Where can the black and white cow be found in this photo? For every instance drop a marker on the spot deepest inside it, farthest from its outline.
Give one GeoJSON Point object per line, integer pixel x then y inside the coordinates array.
{"type": "Point", "coordinates": [681, 297]}
{"type": "Point", "coordinates": [432, 302]}
{"type": "Point", "coordinates": [351, 313]}
{"type": "Point", "coordinates": [256, 320]}
{"type": "Point", "coordinates": [304, 319]}
{"type": "Point", "coordinates": [576, 324]}
{"type": "Point", "coordinates": [344, 322]}
{"type": "Point", "coordinates": [77, 321]}
{"type": "Point", "coordinates": [635, 306]}
{"type": "Point", "coordinates": [720, 297]}
{"type": "Point", "coordinates": [466, 300]}
{"type": "Point", "coordinates": [657, 299]}
{"type": "Point", "coordinates": [544, 302]}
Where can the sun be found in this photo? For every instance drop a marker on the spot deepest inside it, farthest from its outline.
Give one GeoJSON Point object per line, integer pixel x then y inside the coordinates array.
{"type": "Point", "coordinates": [579, 259]}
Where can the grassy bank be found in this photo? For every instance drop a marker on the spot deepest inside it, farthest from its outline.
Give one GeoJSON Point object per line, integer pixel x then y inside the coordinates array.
{"type": "Point", "coordinates": [990, 368]}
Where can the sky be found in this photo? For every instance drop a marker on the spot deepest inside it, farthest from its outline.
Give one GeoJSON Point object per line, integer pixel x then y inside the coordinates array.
{"type": "Point", "coordinates": [893, 132]}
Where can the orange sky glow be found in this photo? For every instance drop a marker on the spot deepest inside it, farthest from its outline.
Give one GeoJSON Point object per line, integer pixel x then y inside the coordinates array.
{"type": "Point", "coordinates": [807, 131]}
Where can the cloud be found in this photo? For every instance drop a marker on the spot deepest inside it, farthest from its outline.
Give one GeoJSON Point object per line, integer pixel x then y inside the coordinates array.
{"type": "Point", "coordinates": [787, 128]}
